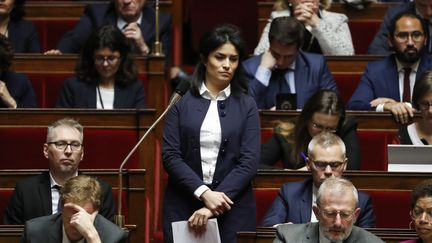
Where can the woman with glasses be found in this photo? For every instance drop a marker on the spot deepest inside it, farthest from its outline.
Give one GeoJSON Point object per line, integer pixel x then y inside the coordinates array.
{"type": "Point", "coordinates": [106, 76]}
{"type": "Point", "coordinates": [421, 212]}
{"type": "Point", "coordinates": [324, 111]}
{"type": "Point", "coordinates": [420, 133]}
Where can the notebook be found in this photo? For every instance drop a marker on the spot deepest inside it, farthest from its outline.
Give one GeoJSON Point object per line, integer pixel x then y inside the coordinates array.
{"type": "Point", "coordinates": [409, 158]}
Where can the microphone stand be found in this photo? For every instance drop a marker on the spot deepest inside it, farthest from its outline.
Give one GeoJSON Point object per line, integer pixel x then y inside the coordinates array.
{"type": "Point", "coordinates": [119, 218]}
{"type": "Point", "coordinates": [157, 45]}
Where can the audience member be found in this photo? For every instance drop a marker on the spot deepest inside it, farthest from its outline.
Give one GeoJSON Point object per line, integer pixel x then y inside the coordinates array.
{"type": "Point", "coordinates": [39, 195]}
{"type": "Point", "coordinates": [380, 44]}
{"type": "Point", "coordinates": [386, 84]}
{"type": "Point", "coordinates": [284, 68]}
{"type": "Point", "coordinates": [421, 215]}
{"type": "Point", "coordinates": [211, 143]}
{"type": "Point", "coordinates": [22, 34]}
{"type": "Point", "coordinates": [106, 75]}
{"type": "Point", "coordinates": [420, 133]}
{"type": "Point", "coordinates": [133, 17]}
{"type": "Point", "coordinates": [336, 210]}
{"type": "Point", "coordinates": [16, 90]}
{"type": "Point", "coordinates": [294, 201]}
{"type": "Point", "coordinates": [325, 32]}
{"type": "Point", "coordinates": [79, 221]}
{"type": "Point", "coordinates": [324, 111]}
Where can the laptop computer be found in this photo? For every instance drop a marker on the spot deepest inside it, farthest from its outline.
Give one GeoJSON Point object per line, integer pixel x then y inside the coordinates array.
{"type": "Point", "coordinates": [409, 158]}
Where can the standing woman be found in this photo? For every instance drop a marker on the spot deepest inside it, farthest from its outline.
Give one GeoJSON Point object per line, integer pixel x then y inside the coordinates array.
{"type": "Point", "coordinates": [212, 143]}
{"type": "Point", "coordinates": [22, 34]}
{"type": "Point", "coordinates": [106, 76]}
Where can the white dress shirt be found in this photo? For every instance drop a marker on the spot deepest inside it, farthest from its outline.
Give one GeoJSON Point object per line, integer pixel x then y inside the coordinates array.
{"type": "Point", "coordinates": [263, 75]}
{"type": "Point", "coordinates": [55, 194]}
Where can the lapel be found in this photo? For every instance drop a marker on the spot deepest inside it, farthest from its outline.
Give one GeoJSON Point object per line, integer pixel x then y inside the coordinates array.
{"type": "Point", "coordinates": [120, 96]}
{"type": "Point", "coordinates": [306, 202]}
{"type": "Point", "coordinates": [312, 233]}
{"type": "Point", "coordinates": [44, 190]}
{"type": "Point", "coordinates": [91, 97]}
{"type": "Point", "coordinates": [55, 231]}
{"type": "Point", "coordinates": [146, 27]}
{"type": "Point", "coordinates": [301, 76]}
{"type": "Point", "coordinates": [392, 75]}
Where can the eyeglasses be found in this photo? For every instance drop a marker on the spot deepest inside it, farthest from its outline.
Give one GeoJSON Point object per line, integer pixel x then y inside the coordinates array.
{"type": "Point", "coordinates": [111, 60]}
{"type": "Point", "coordinates": [323, 128]}
{"type": "Point", "coordinates": [415, 36]}
{"type": "Point", "coordinates": [321, 165]}
{"type": "Point", "coordinates": [62, 145]}
{"type": "Point", "coordinates": [344, 215]}
{"type": "Point", "coordinates": [424, 105]}
{"type": "Point", "coordinates": [418, 212]}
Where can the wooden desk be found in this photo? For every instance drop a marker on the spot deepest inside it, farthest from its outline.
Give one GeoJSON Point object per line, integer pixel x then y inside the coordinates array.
{"type": "Point", "coordinates": [133, 184]}
{"type": "Point", "coordinates": [267, 235]}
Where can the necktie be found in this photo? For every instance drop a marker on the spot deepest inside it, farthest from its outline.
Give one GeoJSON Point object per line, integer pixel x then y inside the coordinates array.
{"type": "Point", "coordinates": [59, 206]}
{"type": "Point", "coordinates": [278, 75]}
{"type": "Point", "coordinates": [406, 90]}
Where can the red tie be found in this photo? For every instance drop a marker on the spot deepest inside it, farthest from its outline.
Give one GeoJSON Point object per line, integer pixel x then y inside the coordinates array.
{"type": "Point", "coordinates": [406, 90]}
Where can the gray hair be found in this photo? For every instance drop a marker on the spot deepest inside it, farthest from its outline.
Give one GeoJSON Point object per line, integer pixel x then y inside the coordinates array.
{"type": "Point", "coordinates": [67, 122]}
{"type": "Point", "coordinates": [337, 185]}
{"type": "Point", "coordinates": [326, 140]}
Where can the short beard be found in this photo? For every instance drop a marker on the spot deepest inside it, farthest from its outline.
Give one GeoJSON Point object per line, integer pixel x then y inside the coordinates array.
{"type": "Point", "coordinates": [406, 57]}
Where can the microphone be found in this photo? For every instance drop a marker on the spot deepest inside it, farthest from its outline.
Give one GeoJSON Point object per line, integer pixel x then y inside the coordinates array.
{"type": "Point", "coordinates": [179, 91]}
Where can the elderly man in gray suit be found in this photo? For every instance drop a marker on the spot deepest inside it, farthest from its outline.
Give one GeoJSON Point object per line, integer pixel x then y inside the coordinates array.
{"type": "Point", "coordinates": [336, 211]}
{"type": "Point", "coordinates": [78, 220]}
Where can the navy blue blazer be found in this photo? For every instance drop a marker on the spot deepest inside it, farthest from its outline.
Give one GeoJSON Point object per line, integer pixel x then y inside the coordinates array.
{"type": "Point", "coordinates": [97, 15]}
{"type": "Point", "coordinates": [379, 45]}
{"type": "Point", "coordinates": [79, 94]}
{"type": "Point", "coordinates": [237, 161]}
{"type": "Point", "coordinates": [294, 204]}
{"type": "Point", "coordinates": [311, 74]}
{"type": "Point", "coordinates": [381, 79]}
{"type": "Point", "coordinates": [23, 37]}
{"type": "Point", "coordinates": [20, 88]}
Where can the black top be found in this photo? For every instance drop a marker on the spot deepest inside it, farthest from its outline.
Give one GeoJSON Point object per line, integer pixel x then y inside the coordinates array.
{"type": "Point", "coordinates": [277, 148]}
{"type": "Point", "coordinates": [404, 137]}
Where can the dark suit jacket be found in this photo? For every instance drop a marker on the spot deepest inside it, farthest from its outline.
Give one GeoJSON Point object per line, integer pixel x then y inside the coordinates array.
{"type": "Point", "coordinates": [97, 15]}
{"type": "Point", "coordinates": [309, 233]}
{"type": "Point", "coordinates": [23, 37]}
{"type": "Point", "coordinates": [236, 163]}
{"type": "Point", "coordinates": [32, 199]}
{"type": "Point", "coordinates": [48, 229]}
{"type": "Point", "coordinates": [379, 45]}
{"type": "Point", "coordinates": [277, 148]}
{"type": "Point", "coordinates": [381, 79]}
{"type": "Point", "coordinates": [311, 74]}
{"type": "Point", "coordinates": [20, 88]}
{"type": "Point", "coordinates": [79, 94]}
{"type": "Point", "coordinates": [294, 204]}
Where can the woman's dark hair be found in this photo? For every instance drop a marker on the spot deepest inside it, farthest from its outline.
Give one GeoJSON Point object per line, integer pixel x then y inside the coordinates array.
{"type": "Point", "coordinates": [18, 11]}
{"type": "Point", "coordinates": [424, 189]}
{"type": "Point", "coordinates": [6, 53]}
{"type": "Point", "coordinates": [110, 37]}
{"type": "Point", "coordinates": [325, 101]}
{"type": "Point", "coordinates": [422, 86]}
{"type": "Point", "coordinates": [209, 43]}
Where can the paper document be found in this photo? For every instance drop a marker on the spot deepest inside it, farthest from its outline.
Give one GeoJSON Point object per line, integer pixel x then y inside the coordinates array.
{"type": "Point", "coordinates": [183, 234]}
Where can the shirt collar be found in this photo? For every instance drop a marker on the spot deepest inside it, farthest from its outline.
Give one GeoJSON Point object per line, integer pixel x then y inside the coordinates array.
{"type": "Point", "coordinates": [54, 183]}
{"type": "Point", "coordinates": [205, 93]}
{"type": "Point", "coordinates": [121, 23]}
{"type": "Point", "coordinates": [414, 66]}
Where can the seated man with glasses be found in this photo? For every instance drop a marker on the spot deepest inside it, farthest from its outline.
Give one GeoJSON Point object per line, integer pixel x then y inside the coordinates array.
{"type": "Point", "coordinates": [294, 201]}
{"type": "Point", "coordinates": [336, 210]}
{"type": "Point", "coordinates": [386, 85]}
{"type": "Point", "coordinates": [39, 195]}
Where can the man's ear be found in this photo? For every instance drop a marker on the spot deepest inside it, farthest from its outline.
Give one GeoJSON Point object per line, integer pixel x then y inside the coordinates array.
{"type": "Point", "coordinates": [356, 214]}
{"type": "Point", "coordinates": [308, 165]}
{"type": "Point", "coordinates": [45, 150]}
{"type": "Point", "coordinates": [390, 42]}
{"type": "Point", "coordinates": [345, 164]}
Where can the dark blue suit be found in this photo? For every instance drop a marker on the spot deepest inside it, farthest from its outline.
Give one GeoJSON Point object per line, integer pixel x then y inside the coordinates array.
{"type": "Point", "coordinates": [97, 15]}
{"type": "Point", "coordinates": [236, 163]}
{"type": "Point", "coordinates": [294, 204]}
{"type": "Point", "coordinates": [20, 88]}
{"type": "Point", "coordinates": [23, 37]}
{"type": "Point", "coordinates": [79, 94]}
{"type": "Point", "coordinates": [381, 79]}
{"type": "Point", "coordinates": [379, 45]}
{"type": "Point", "coordinates": [311, 74]}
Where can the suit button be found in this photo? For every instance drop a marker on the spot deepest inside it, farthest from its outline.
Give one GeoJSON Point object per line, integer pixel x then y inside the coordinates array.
{"type": "Point", "coordinates": [223, 114]}
{"type": "Point", "coordinates": [222, 105]}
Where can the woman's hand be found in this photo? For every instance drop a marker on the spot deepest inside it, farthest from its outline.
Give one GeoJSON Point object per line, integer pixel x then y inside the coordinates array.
{"type": "Point", "coordinates": [216, 202]}
{"type": "Point", "coordinates": [307, 13]}
{"type": "Point", "coordinates": [5, 96]}
{"type": "Point", "coordinates": [198, 220]}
